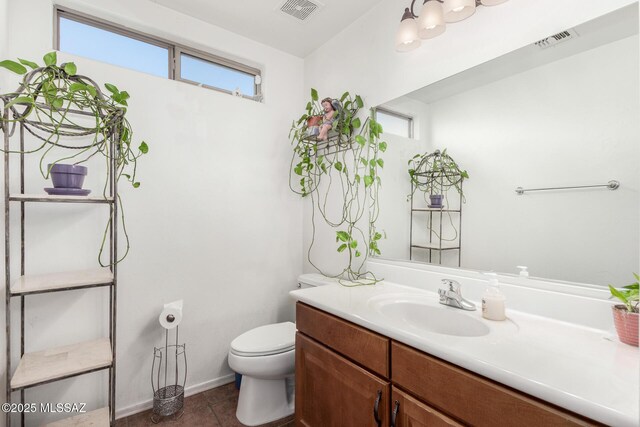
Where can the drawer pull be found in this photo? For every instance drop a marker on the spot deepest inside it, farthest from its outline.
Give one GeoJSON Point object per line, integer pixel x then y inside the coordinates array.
{"type": "Point", "coordinates": [376, 415]}
{"type": "Point", "coordinates": [394, 414]}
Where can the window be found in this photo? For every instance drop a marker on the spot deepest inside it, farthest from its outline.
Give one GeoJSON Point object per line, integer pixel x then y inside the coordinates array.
{"type": "Point", "coordinates": [395, 123]}
{"type": "Point", "coordinates": [200, 71]}
{"type": "Point", "coordinates": [80, 35]}
{"type": "Point", "coordinates": [81, 39]}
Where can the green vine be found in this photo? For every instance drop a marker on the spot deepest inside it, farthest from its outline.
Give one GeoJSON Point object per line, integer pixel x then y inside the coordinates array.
{"type": "Point", "coordinates": [432, 174]}
{"type": "Point", "coordinates": [435, 173]}
{"type": "Point", "coordinates": [349, 160]}
{"type": "Point", "coordinates": [59, 107]}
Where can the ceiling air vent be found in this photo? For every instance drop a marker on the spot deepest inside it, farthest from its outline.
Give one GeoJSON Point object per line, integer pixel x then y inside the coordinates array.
{"type": "Point", "coordinates": [557, 38]}
{"type": "Point", "coordinates": [300, 9]}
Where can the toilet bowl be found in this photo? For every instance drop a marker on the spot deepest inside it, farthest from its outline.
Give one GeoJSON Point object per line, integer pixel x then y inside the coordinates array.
{"type": "Point", "coordinates": [265, 357]}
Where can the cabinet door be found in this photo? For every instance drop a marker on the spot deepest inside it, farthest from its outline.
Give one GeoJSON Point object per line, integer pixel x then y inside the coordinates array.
{"type": "Point", "coordinates": [411, 412]}
{"type": "Point", "coordinates": [332, 391]}
{"type": "Point", "coordinates": [469, 397]}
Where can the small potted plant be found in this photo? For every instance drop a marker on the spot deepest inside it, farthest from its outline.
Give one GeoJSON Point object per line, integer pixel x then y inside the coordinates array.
{"type": "Point", "coordinates": [626, 315]}
{"type": "Point", "coordinates": [434, 173]}
{"type": "Point", "coordinates": [313, 125]}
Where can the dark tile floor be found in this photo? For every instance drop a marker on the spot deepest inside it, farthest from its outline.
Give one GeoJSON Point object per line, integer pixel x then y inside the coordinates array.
{"type": "Point", "coordinates": [211, 408]}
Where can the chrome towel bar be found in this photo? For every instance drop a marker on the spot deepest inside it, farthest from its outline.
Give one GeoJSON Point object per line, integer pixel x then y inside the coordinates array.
{"type": "Point", "coordinates": [611, 185]}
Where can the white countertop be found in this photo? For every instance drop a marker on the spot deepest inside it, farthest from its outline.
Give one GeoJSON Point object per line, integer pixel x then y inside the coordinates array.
{"type": "Point", "coordinates": [582, 369]}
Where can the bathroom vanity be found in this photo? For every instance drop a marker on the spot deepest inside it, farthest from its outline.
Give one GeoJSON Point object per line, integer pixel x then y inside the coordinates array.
{"type": "Point", "coordinates": [346, 374]}
{"type": "Point", "coordinates": [356, 367]}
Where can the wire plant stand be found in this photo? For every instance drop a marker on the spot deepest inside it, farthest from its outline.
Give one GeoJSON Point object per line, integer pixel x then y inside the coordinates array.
{"type": "Point", "coordinates": [14, 118]}
{"type": "Point", "coordinates": [434, 226]}
{"type": "Point", "coordinates": [168, 398]}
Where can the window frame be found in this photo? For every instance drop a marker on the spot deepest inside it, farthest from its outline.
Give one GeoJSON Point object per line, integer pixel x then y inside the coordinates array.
{"type": "Point", "coordinates": [217, 60]}
{"type": "Point", "coordinates": [174, 50]}
{"type": "Point", "coordinates": [409, 119]}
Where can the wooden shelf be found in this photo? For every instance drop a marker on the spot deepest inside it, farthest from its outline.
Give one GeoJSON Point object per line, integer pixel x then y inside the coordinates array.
{"type": "Point", "coordinates": [62, 362]}
{"type": "Point", "coordinates": [58, 199]}
{"type": "Point", "coordinates": [435, 246]}
{"type": "Point", "coordinates": [55, 282]}
{"type": "Point", "coordinates": [97, 418]}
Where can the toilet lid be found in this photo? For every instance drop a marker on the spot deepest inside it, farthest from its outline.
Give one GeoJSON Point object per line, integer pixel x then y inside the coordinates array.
{"type": "Point", "coordinates": [265, 340]}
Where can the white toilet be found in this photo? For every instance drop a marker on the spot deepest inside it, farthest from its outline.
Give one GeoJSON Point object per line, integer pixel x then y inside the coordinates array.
{"type": "Point", "coordinates": [265, 356]}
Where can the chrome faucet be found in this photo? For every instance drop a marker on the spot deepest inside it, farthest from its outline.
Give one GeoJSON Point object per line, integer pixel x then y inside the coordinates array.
{"type": "Point", "coordinates": [453, 297]}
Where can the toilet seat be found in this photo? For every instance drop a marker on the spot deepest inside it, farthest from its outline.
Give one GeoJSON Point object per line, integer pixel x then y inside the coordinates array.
{"type": "Point", "coordinates": [265, 340]}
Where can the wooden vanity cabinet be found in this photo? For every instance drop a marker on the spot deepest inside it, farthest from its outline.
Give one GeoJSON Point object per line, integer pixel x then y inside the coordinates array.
{"type": "Point", "coordinates": [332, 390]}
{"type": "Point", "coordinates": [468, 397]}
{"type": "Point", "coordinates": [342, 368]}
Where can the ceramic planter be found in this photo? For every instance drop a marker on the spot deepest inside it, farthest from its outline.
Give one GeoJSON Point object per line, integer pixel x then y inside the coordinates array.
{"type": "Point", "coordinates": [313, 125]}
{"type": "Point", "coordinates": [67, 176]}
{"type": "Point", "coordinates": [314, 121]}
{"type": "Point", "coordinates": [626, 325]}
{"type": "Point", "coordinates": [436, 200]}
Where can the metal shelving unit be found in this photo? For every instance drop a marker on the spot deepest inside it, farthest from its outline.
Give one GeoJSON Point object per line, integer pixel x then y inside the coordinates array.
{"type": "Point", "coordinates": [435, 243]}
{"type": "Point", "coordinates": [54, 364]}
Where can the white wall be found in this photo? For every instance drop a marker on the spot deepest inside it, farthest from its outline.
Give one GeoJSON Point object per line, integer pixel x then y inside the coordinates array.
{"type": "Point", "coordinates": [4, 5]}
{"type": "Point", "coordinates": [213, 222]}
{"type": "Point", "coordinates": [362, 58]}
{"type": "Point", "coordinates": [394, 218]}
{"type": "Point", "coordinates": [4, 35]}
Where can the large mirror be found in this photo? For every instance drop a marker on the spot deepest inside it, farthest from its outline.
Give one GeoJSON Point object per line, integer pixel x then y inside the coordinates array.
{"type": "Point", "coordinates": [559, 113]}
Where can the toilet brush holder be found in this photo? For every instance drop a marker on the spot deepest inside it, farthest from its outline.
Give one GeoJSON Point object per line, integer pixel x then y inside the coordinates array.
{"type": "Point", "coordinates": [168, 377]}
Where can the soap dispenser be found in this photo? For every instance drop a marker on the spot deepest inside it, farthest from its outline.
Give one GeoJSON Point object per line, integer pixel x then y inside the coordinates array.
{"type": "Point", "coordinates": [493, 300]}
{"type": "Point", "coordinates": [523, 271]}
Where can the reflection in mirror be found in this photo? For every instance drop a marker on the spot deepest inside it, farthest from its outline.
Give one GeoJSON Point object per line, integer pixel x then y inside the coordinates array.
{"type": "Point", "coordinates": [559, 113]}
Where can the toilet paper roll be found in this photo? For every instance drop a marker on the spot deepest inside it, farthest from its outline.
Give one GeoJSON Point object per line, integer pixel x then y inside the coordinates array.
{"type": "Point", "coordinates": [171, 315]}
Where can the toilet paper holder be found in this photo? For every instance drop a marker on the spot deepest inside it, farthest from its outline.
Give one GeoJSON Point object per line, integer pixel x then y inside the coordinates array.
{"type": "Point", "coordinates": [168, 361]}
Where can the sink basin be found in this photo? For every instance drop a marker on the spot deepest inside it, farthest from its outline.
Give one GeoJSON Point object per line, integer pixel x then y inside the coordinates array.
{"type": "Point", "coordinates": [427, 315]}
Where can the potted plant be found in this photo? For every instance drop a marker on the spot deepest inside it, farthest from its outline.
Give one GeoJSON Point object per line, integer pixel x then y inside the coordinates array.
{"type": "Point", "coordinates": [625, 315]}
{"type": "Point", "coordinates": [45, 105]}
{"type": "Point", "coordinates": [351, 159]}
{"type": "Point", "coordinates": [434, 173]}
{"type": "Point", "coordinates": [313, 125]}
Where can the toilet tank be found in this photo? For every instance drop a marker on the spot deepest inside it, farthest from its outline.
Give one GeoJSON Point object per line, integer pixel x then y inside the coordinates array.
{"type": "Point", "coordinates": [312, 280]}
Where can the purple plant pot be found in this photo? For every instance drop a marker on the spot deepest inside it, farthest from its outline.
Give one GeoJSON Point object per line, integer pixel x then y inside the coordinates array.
{"type": "Point", "coordinates": [436, 200]}
{"type": "Point", "coordinates": [67, 176]}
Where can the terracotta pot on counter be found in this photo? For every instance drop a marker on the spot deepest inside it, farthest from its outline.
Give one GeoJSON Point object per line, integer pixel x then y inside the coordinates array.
{"type": "Point", "coordinates": [626, 324]}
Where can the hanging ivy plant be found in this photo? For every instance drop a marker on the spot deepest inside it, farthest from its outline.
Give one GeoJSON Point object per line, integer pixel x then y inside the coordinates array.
{"type": "Point", "coordinates": [350, 159]}
{"type": "Point", "coordinates": [435, 173]}
{"type": "Point", "coordinates": [51, 103]}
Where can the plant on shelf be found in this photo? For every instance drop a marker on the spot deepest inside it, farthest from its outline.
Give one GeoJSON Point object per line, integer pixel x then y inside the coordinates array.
{"type": "Point", "coordinates": [343, 169]}
{"type": "Point", "coordinates": [434, 173]}
{"type": "Point", "coordinates": [625, 315]}
{"type": "Point", "coordinates": [72, 121]}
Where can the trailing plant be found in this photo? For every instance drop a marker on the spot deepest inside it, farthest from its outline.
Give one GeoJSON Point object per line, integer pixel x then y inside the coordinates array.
{"type": "Point", "coordinates": [435, 173]}
{"type": "Point", "coordinates": [72, 120]}
{"type": "Point", "coordinates": [348, 163]}
{"type": "Point", "coordinates": [629, 295]}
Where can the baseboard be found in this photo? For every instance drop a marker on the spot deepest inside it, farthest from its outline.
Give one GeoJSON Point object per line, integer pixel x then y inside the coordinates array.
{"type": "Point", "coordinates": [191, 390]}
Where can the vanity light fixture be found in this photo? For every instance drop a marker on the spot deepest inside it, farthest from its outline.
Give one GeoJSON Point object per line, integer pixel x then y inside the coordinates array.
{"type": "Point", "coordinates": [432, 20]}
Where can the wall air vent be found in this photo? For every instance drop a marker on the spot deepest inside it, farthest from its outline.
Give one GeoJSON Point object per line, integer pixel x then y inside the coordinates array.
{"type": "Point", "coordinates": [557, 38]}
{"type": "Point", "coordinates": [301, 10]}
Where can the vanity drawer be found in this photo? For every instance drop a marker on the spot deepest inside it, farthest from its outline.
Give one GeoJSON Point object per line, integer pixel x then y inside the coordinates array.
{"type": "Point", "coordinates": [356, 343]}
{"type": "Point", "coordinates": [471, 398]}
